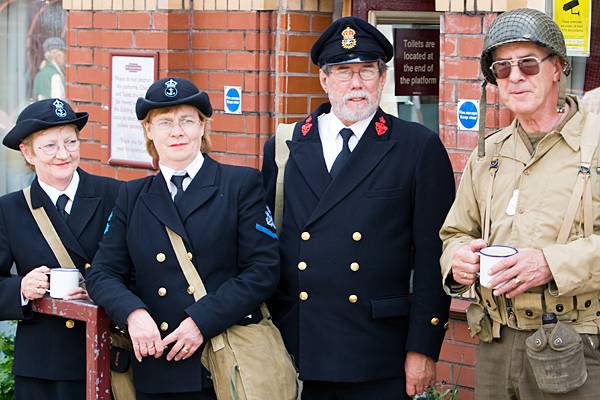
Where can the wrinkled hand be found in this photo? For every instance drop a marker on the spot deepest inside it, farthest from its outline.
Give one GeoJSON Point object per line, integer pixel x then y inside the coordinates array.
{"type": "Point", "coordinates": [420, 373]}
{"type": "Point", "coordinates": [35, 283]}
{"type": "Point", "coordinates": [144, 334]}
{"type": "Point", "coordinates": [187, 338]}
{"type": "Point", "coordinates": [465, 262]}
{"type": "Point", "coordinates": [526, 269]}
{"type": "Point", "coordinates": [77, 294]}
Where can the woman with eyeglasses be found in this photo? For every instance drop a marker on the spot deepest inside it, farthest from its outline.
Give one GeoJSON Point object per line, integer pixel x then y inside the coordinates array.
{"type": "Point", "coordinates": [219, 212]}
{"type": "Point", "coordinates": [49, 353]}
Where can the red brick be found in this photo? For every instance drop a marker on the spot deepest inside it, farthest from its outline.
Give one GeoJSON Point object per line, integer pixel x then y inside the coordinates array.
{"type": "Point", "coordinates": [297, 64]}
{"type": "Point", "coordinates": [174, 60]}
{"type": "Point", "coordinates": [487, 21]}
{"type": "Point", "coordinates": [228, 123]}
{"type": "Point", "coordinates": [464, 376]}
{"type": "Point", "coordinates": [80, 55]}
{"type": "Point", "coordinates": [458, 160]}
{"type": "Point", "coordinates": [226, 41]}
{"type": "Point", "coordinates": [217, 80]}
{"type": "Point", "coordinates": [316, 101]}
{"type": "Point", "coordinates": [71, 38]}
{"type": "Point", "coordinates": [243, 61]}
{"type": "Point", "coordinates": [467, 140]}
{"type": "Point", "coordinates": [447, 92]}
{"type": "Point", "coordinates": [303, 84]}
{"type": "Point", "coordinates": [298, 22]}
{"type": "Point", "coordinates": [450, 45]}
{"type": "Point", "coordinates": [101, 134]}
{"type": "Point", "coordinates": [127, 174]}
{"type": "Point", "coordinates": [242, 20]}
{"type": "Point", "coordinates": [259, 124]}
{"type": "Point", "coordinates": [448, 115]}
{"type": "Point", "coordinates": [133, 20]}
{"type": "Point", "coordinates": [105, 20]}
{"type": "Point", "coordinates": [151, 40]}
{"type": "Point", "coordinates": [92, 75]}
{"type": "Point", "coordinates": [460, 23]}
{"type": "Point", "coordinates": [172, 20]}
{"type": "Point", "coordinates": [97, 114]}
{"type": "Point", "coordinates": [101, 57]}
{"type": "Point", "coordinates": [471, 46]}
{"type": "Point", "coordinates": [448, 136]}
{"type": "Point", "coordinates": [460, 332]}
{"type": "Point", "coordinates": [469, 90]}
{"type": "Point", "coordinates": [117, 39]}
{"type": "Point", "coordinates": [79, 19]}
{"type": "Point", "coordinates": [492, 94]}
{"type": "Point", "coordinates": [219, 141]}
{"type": "Point", "coordinates": [70, 73]}
{"type": "Point", "coordinates": [259, 41]}
{"type": "Point", "coordinates": [89, 38]}
{"type": "Point", "coordinates": [232, 159]}
{"type": "Point", "coordinates": [206, 60]}
{"type": "Point", "coordinates": [300, 43]}
{"type": "Point", "coordinates": [79, 92]}
{"type": "Point", "coordinates": [210, 20]}
{"type": "Point", "coordinates": [461, 69]}
{"type": "Point", "coordinates": [296, 105]}
{"type": "Point", "coordinates": [200, 40]}
{"type": "Point", "coordinates": [91, 150]}
{"type": "Point", "coordinates": [443, 371]}
{"type": "Point", "coordinates": [242, 144]}
{"type": "Point", "coordinates": [505, 117]}
{"type": "Point", "coordinates": [200, 79]}
{"type": "Point", "coordinates": [320, 22]}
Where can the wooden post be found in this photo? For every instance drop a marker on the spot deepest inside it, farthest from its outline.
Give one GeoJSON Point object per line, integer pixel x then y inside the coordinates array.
{"type": "Point", "coordinates": [97, 338]}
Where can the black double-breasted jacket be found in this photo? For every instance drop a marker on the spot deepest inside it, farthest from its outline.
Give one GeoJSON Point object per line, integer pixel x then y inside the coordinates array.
{"type": "Point", "coordinates": [227, 233]}
{"type": "Point", "coordinates": [348, 247]}
{"type": "Point", "coordinates": [49, 347]}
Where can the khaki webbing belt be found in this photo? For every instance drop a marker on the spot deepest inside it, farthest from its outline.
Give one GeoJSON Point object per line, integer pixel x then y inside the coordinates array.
{"type": "Point", "coordinates": [282, 153]}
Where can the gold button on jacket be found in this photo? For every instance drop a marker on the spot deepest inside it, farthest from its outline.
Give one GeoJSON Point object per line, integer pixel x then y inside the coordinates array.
{"type": "Point", "coordinates": [435, 321]}
{"type": "Point", "coordinates": [305, 236]}
{"type": "Point", "coordinates": [355, 266]}
{"type": "Point", "coordinates": [70, 324]}
{"type": "Point", "coordinates": [302, 265]}
{"type": "Point", "coordinates": [356, 236]}
{"type": "Point", "coordinates": [303, 296]}
{"type": "Point", "coordinates": [190, 290]}
{"type": "Point", "coordinates": [87, 265]}
{"type": "Point", "coordinates": [164, 326]}
{"type": "Point", "coordinates": [162, 292]}
{"type": "Point", "coordinates": [160, 257]}
{"type": "Point", "coordinates": [190, 255]}
{"type": "Point", "coordinates": [353, 298]}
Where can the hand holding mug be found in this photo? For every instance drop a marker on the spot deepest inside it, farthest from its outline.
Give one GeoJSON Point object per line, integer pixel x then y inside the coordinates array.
{"type": "Point", "coordinates": [35, 283]}
{"type": "Point", "coordinates": [465, 262]}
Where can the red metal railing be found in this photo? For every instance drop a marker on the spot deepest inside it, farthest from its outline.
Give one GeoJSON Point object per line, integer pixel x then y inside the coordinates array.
{"type": "Point", "coordinates": [97, 334]}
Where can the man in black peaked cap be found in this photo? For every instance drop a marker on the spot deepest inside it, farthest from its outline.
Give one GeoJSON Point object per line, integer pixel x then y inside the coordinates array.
{"type": "Point", "coordinates": [365, 196]}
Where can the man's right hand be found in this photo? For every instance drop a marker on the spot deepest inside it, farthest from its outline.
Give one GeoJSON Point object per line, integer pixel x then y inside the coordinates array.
{"type": "Point", "coordinates": [35, 283]}
{"type": "Point", "coordinates": [144, 334]}
{"type": "Point", "coordinates": [465, 262]}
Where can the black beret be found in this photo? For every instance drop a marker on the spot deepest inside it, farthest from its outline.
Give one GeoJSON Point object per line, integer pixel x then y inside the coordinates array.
{"type": "Point", "coordinates": [42, 115]}
{"type": "Point", "coordinates": [169, 92]}
{"type": "Point", "coordinates": [351, 40]}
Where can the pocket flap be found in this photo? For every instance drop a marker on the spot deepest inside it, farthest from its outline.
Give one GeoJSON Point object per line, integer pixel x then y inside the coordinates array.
{"type": "Point", "coordinates": [390, 307]}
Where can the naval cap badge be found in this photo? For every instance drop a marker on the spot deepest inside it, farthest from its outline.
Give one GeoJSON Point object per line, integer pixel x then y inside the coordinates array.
{"type": "Point", "coordinates": [59, 109]}
{"type": "Point", "coordinates": [348, 41]}
{"type": "Point", "coordinates": [171, 90]}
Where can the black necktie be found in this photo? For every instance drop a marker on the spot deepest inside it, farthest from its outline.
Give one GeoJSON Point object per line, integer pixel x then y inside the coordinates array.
{"type": "Point", "coordinates": [178, 182]}
{"type": "Point", "coordinates": [343, 156]}
{"type": "Point", "coordinates": [61, 203]}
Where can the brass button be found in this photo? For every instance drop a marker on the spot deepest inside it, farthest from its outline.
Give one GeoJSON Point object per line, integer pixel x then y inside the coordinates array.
{"type": "Point", "coordinates": [305, 236]}
{"type": "Point", "coordinates": [446, 325]}
{"type": "Point", "coordinates": [303, 296]}
{"type": "Point", "coordinates": [356, 236]}
{"type": "Point", "coordinates": [70, 324]}
{"type": "Point", "coordinates": [353, 298]}
{"type": "Point", "coordinates": [162, 292]}
{"type": "Point", "coordinates": [559, 307]}
{"type": "Point", "coordinates": [160, 257]}
{"type": "Point", "coordinates": [302, 265]}
{"type": "Point", "coordinates": [164, 326]}
{"type": "Point", "coordinates": [190, 255]}
{"type": "Point", "coordinates": [87, 265]}
{"type": "Point", "coordinates": [190, 290]}
{"type": "Point", "coordinates": [435, 321]}
{"type": "Point", "coordinates": [355, 266]}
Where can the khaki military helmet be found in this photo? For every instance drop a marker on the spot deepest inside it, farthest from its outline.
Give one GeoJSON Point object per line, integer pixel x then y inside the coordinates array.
{"type": "Point", "coordinates": [523, 25]}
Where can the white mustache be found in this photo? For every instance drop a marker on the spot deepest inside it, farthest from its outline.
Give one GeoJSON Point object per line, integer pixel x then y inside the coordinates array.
{"type": "Point", "coordinates": [357, 93]}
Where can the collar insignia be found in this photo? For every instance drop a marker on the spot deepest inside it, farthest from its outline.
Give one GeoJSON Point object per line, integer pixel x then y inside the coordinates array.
{"type": "Point", "coordinates": [349, 41]}
{"type": "Point", "coordinates": [306, 126]}
{"type": "Point", "coordinates": [171, 91]}
{"type": "Point", "coordinates": [381, 126]}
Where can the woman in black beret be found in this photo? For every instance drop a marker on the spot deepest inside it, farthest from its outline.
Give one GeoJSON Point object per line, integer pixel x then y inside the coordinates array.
{"type": "Point", "coordinates": [49, 351]}
{"type": "Point", "coordinates": [219, 212]}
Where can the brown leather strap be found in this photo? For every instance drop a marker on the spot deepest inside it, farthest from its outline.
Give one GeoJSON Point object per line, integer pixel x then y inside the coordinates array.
{"type": "Point", "coordinates": [43, 222]}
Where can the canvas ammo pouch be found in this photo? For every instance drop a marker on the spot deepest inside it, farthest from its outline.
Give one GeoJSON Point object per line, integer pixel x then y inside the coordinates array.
{"type": "Point", "coordinates": [556, 355]}
{"type": "Point", "coordinates": [479, 322]}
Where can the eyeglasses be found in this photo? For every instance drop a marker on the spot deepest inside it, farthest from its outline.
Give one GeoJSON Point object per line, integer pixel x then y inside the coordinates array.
{"type": "Point", "coordinates": [52, 148]}
{"type": "Point", "coordinates": [167, 125]}
{"type": "Point", "coordinates": [527, 65]}
{"type": "Point", "coordinates": [346, 74]}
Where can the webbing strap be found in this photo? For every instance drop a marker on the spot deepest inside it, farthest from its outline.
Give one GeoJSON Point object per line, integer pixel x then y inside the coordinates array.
{"type": "Point", "coordinates": [282, 153]}
{"type": "Point", "coordinates": [487, 218]}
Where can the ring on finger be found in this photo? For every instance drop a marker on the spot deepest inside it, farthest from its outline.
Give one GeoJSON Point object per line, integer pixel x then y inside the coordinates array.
{"type": "Point", "coordinates": [464, 275]}
{"type": "Point", "coordinates": [517, 281]}
{"type": "Point", "coordinates": [185, 350]}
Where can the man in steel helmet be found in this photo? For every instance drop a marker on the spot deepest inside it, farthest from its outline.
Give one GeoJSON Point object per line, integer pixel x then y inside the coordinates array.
{"type": "Point", "coordinates": [533, 186]}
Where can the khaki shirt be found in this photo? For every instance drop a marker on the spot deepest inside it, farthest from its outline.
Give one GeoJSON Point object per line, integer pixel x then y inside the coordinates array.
{"type": "Point", "coordinates": [545, 182]}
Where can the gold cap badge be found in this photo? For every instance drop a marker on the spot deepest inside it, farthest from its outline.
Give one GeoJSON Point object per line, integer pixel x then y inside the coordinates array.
{"type": "Point", "coordinates": [348, 42]}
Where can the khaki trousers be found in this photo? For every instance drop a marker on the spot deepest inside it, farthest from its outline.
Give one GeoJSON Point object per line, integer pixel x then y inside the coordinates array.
{"type": "Point", "coordinates": [503, 371]}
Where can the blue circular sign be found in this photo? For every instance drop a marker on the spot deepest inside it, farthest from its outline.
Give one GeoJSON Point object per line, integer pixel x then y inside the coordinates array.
{"type": "Point", "coordinates": [468, 114]}
{"type": "Point", "coordinates": [232, 100]}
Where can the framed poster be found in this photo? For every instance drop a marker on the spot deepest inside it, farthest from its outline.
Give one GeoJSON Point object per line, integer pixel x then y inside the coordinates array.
{"type": "Point", "coordinates": [130, 76]}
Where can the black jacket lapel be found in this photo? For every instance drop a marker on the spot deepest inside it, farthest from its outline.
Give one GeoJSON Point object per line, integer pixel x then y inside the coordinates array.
{"type": "Point", "coordinates": [159, 202]}
{"type": "Point", "coordinates": [200, 190]}
{"type": "Point", "coordinates": [85, 204]}
{"type": "Point", "coordinates": [39, 198]}
{"type": "Point", "coordinates": [369, 152]}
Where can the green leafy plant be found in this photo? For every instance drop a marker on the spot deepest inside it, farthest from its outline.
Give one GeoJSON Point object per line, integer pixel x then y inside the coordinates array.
{"type": "Point", "coordinates": [7, 380]}
{"type": "Point", "coordinates": [439, 391]}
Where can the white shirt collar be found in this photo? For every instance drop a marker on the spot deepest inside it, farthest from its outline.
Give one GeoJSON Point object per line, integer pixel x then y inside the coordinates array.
{"type": "Point", "coordinates": [70, 191]}
{"type": "Point", "coordinates": [192, 170]}
{"type": "Point", "coordinates": [335, 125]}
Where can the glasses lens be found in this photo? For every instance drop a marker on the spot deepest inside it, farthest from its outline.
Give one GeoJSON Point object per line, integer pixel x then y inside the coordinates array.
{"type": "Point", "coordinates": [501, 69]}
{"type": "Point", "coordinates": [529, 66]}
{"type": "Point", "coordinates": [72, 144]}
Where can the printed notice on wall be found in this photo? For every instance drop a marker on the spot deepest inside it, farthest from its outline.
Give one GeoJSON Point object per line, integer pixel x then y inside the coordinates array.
{"type": "Point", "coordinates": [130, 78]}
{"type": "Point", "coordinates": [417, 61]}
{"type": "Point", "coordinates": [573, 18]}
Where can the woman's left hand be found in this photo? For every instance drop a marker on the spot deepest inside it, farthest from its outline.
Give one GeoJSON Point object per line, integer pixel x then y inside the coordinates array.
{"type": "Point", "coordinates": [77, 294]}
{"type": "Point", "coordinates": [187, 338]}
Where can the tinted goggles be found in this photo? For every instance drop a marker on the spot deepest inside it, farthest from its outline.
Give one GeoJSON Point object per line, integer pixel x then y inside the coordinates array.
{"type": "Point", "coordinates": [527, 65]}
